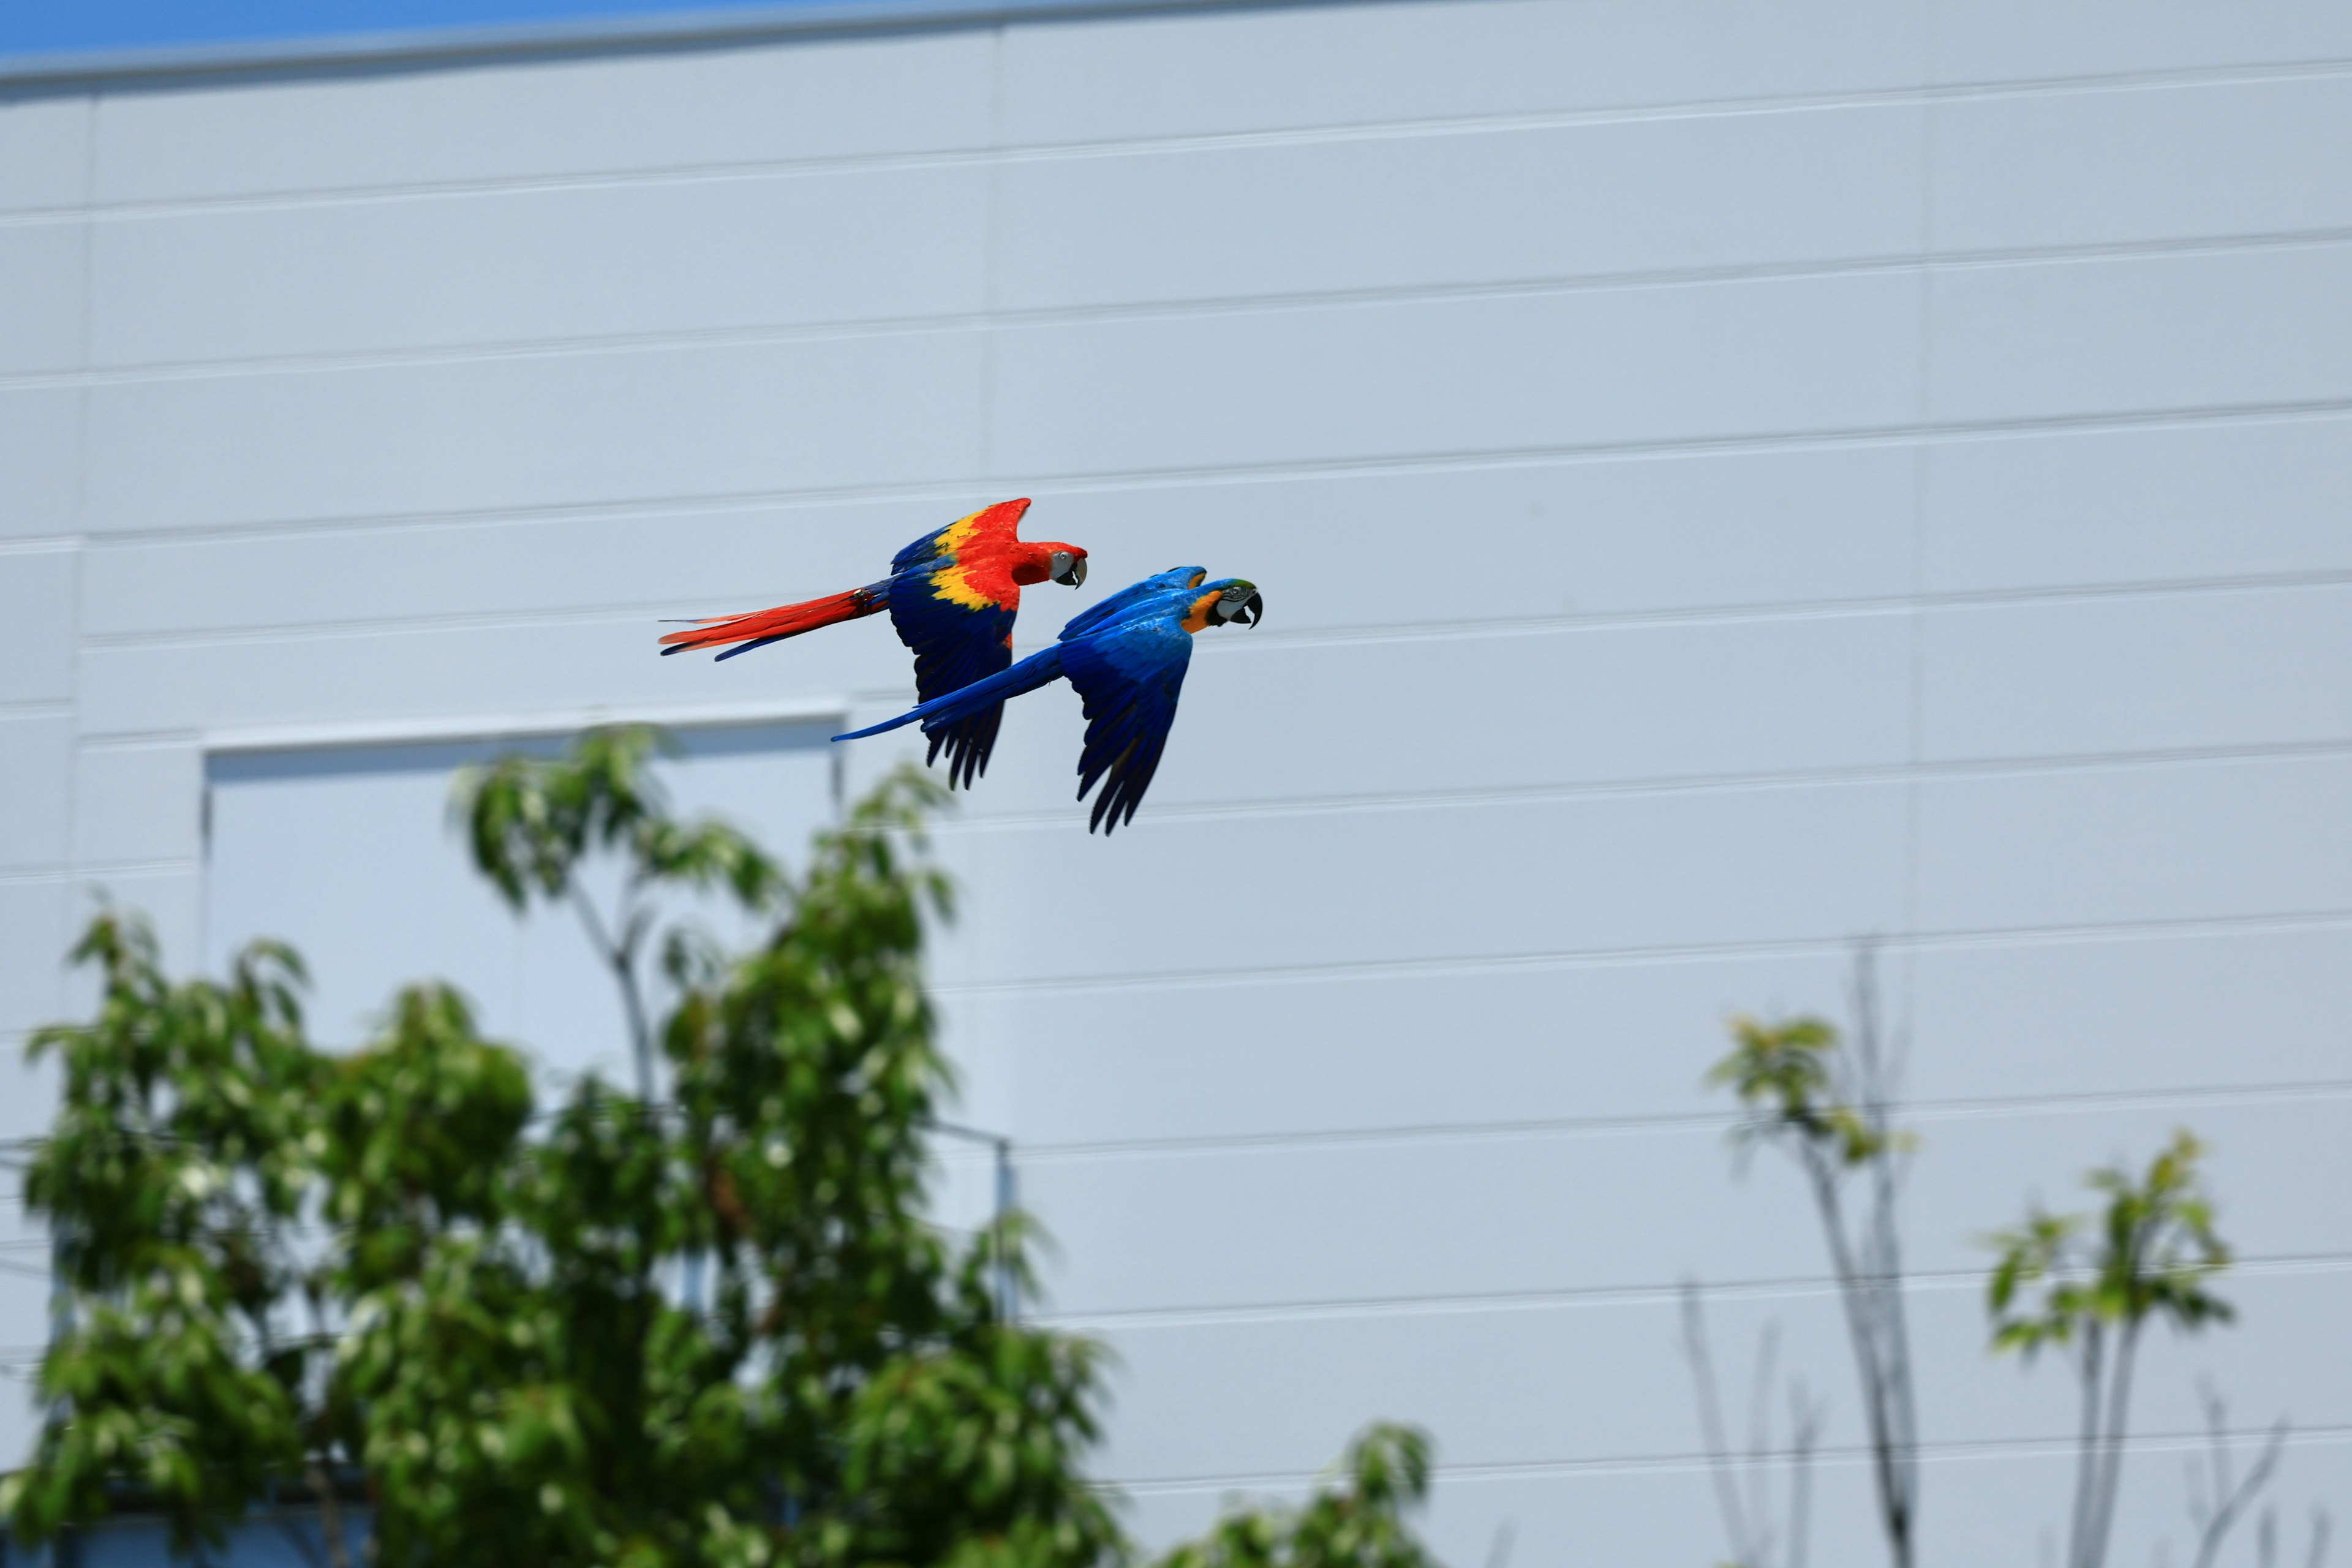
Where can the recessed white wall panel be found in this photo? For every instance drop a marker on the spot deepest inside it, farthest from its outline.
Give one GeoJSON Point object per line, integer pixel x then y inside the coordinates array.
{"type": "Point", "coordinates": [2137, 505]}
{"type": "Point", "coordinates": [534, 430]}
{"type": "Point", "coordinates": [352, 855]}
{"type": "Point", "coordinates": [570, 261]}
{"type": "Point", "coordinates": [1461, 545]}
{"type": "Point", "coordinates": [549, 118]}
{"type": "Point", "coordinates": [1279, 68]}
{"type": "Point", "coordinates": [28, 1097]}
{"type": "Point", "coordinates": [1502, 1374]}
{"type": "Point", "coordinates": [1613, 1512]}
{"type": "Point", "coordinates": [33, 932]}
{"type": "Point", "coordinates": [39, 426]}
{"type": "Point", "coordinates": [2109, 335]}
{"type": "Point", "coordinates": [2139, 673]}
{"type": "Point", "coordinates": [573, 665]}
{"type": "Point", "coordinates": [1468, 544]}
{"type": "Point", "coordinates": [1454, 208]}
{"type": "Point", "coordinates": [2156, 1012]}
{"type": "Point", "coordinates": [42, 276]}
{"type": "Point", "coordinates": [1318, 1223]}
{"type": "Point", "coordinates": [2152, 1011]}
{"type": "Point", "coordinates": [36, 781]}
{"type": "Point", "coordinates": [36, 625]}
{"type": "Point", "coordinates": [25, 1308]}
{"type": "Point", "coordinates": [2275, 1163]}
{"type": "Point", "coordinates": [2018, 41]}
{"type": "Point", "coordinates": [1275, 889]}
{"type": "Point", "coordinates": [2145, 161]}
{"type": "Point", "coordinates": [2240, 839]}
{"type": "Point", "coordinates": [1512, 712]}
{"type": "Point", "coordinates": [44, 151]}
{"type": "Point", "coordinates": [681, 563]}
{"type": "Point", "coordinates": [2005, 1502]}
{"type": "Point", "coordinates": [1508, 372]}
{"type": "Point", "coordinates": [1473, 1046]}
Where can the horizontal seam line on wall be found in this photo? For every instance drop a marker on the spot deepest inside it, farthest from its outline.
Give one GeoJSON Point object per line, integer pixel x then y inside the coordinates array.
{"type": "Point", "coordinates": [1916, 1112]}
{"type": "Point", "coordinates": [54, 874]}
{"type": "Point", "coordinates": [1118, 481]}
{"type": "Point", "coordinates": [1734, 613]}
{"type": "Point", "coordinates": [2285, 1267]}
{"type": "Point", "coordinates": [1953, 1450]}
{"type": "Point", "coordinates": [1865, 776]}
{"type": "Point", "coordinates": [1654, 1293]}
{"type": "Point", "coordinates": [1179, 143]}
{"type": "Point", "coordinates": [1860, 776]}
{"type": "Point", "coordinates": [1840, 945]}
{"type": "Point", "coordinates": [1015, 318]}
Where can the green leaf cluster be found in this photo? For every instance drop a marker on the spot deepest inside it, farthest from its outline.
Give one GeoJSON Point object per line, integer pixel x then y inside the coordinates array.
{"type": "Point", "coordinates": [1355, 1519]}
{"type": "Point", "coordinates": [2148, 1255]}
{"type": "Point", "coordinates": [1785, 1075]}
{"type": "Point", "coordinates": [533, 821]}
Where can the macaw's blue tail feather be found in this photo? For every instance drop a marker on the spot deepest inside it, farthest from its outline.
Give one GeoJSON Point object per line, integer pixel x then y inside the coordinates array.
{"type": "Point", "coordinates": [1039, 669]}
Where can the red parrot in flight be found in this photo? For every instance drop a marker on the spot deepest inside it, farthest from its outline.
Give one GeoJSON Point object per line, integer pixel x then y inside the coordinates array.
{"type": "Point", "coordinates": [953, 595]}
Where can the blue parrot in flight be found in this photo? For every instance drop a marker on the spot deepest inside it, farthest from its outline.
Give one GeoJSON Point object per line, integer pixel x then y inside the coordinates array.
{"type": "Point", "coordinates": [1126, 656]}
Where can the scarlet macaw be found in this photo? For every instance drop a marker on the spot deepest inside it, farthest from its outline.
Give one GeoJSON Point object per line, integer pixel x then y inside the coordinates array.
{"type": "Point", "coordinates": [1126, 657]}
{"type": "Point", "coordinates": [953, 595]}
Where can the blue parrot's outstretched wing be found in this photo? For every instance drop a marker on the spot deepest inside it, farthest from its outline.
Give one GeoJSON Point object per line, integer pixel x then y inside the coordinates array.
{"type": "Point", "coordinates": [1130, 677]}
{"type": "Point", "coordinates": [1127, 598]}
{"type": "Point", "coordinates": [986, 695]}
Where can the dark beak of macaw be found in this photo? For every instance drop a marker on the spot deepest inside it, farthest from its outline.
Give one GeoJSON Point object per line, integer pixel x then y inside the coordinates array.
{"type": "Point", "coordinates": [1240, 604]}
{"type": "Point", "coordinates": [1069, 568]}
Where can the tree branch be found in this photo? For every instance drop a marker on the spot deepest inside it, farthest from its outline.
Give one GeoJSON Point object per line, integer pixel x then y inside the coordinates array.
{"type": "Point", "coordinates": [2229, 1504]}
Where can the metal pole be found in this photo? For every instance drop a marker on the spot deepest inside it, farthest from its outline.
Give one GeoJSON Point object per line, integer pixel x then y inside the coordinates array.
{"type": "Point", "coordinates": [1008, 1282]}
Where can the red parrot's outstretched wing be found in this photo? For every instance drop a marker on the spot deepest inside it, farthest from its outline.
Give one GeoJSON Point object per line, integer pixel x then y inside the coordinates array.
{"type": "Point", "coordinates": [953, 600]}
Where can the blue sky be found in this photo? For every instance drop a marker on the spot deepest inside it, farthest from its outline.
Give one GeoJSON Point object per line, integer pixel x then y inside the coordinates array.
{"type": "Point", "coordinates": [49, 26]}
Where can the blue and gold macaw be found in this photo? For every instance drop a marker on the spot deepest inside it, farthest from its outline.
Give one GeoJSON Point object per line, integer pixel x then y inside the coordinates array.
{"type": "Point", "coordinates": [952, 594]}
{"type": "Point", "coordinates": [1126, 656]}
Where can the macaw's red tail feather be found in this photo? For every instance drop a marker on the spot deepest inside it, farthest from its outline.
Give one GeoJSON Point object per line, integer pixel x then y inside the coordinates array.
{"type": "Point", "coordinates": [759, 627]}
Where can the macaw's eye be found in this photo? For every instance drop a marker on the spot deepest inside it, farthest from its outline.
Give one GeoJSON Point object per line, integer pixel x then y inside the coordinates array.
{"type": "Point", "coordinates": [1068, 568]}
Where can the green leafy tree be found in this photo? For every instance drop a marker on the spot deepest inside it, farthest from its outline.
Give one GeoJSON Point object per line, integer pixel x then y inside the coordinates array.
{"type": "Point", "coordinates": [2091, 1284]}
{"type": "Point", "coordinates": [175, 1166]}
{"type": "Point", "coordinates": [489, 1331]}
{"type": "Point", "coordinates": [1355, 1519]}
{"type": "Point", "coordinates": [534, 824]}
{"type": "Point", "coordinates": [1826, 1107]}
{"type": "Point", "coordinates": [393, 1267]}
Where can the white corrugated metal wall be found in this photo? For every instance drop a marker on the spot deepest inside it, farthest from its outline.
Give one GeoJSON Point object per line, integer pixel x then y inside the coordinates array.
{"type": "Point", "coordinates": [1727, 479]}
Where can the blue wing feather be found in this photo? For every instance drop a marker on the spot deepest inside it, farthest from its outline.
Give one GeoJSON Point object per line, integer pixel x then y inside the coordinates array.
{"type": "Point", "coordinates": [989, 694]}
{"type": "Point", "coordinates": [929, 548]}
{"type": "Point", "coordinates": [1130, 678]}
{"type": "Point", "coordinates": [954, 644]}
{"type": "Point", "coordinates": [1126, 656]}
{"type": "Point", "coordinates": [1127, 598]}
